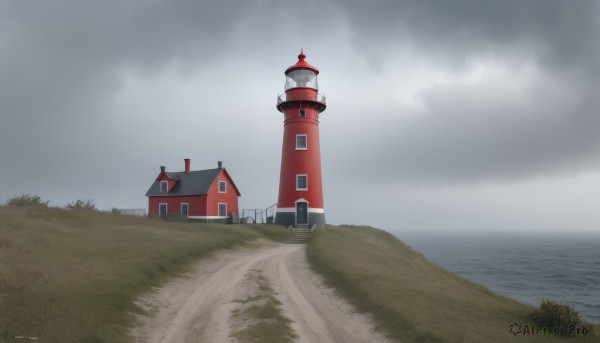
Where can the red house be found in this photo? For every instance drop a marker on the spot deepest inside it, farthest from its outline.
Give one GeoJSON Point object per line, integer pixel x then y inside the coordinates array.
{"type": "Point", "coordinates": [209, 195]}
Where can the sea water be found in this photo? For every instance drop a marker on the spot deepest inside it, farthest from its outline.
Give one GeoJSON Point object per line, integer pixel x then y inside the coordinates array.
{"type": "Point", "coordinates": [525, 267]}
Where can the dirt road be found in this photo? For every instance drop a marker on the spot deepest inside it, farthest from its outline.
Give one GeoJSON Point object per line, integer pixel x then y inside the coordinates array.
{"type": "Point", "coordinates": [199, 306]}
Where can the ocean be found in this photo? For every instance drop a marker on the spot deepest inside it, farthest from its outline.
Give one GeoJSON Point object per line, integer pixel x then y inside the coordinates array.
{"type": "Point", "coordinates": [526, 267]}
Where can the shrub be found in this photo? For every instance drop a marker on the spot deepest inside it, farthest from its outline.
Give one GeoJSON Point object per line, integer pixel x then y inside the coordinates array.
{"type": "Point", "coordinates": [82, 205]}
{"type": "Point", "coordinates": [552, 314]}
{"type": "Point", "coordinates": [27, 200]}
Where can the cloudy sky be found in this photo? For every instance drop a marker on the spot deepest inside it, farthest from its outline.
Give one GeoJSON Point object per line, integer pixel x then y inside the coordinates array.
{"type": "Point", "coordinates": [442, 115]}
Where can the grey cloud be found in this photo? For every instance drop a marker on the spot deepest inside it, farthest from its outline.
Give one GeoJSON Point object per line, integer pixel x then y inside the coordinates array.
{"type": "Point", "coordinates": [469, 134]}
{"type": "Point", "coordinates": [54, 49]}
{"type": "Point", "coordinates": [555, 32]}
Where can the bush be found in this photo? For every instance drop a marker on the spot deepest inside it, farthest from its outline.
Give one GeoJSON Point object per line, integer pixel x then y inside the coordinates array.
{"type": "Point", "coordinates": [82, 205]}
{"type": "Point", "coordinates": [552, 314]}
{"type": "Point", "coordinates": [27, 200]}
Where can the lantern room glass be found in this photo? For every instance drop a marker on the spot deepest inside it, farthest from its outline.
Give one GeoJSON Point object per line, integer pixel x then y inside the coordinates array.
{"type": "Point", "coordinates": [301, 78]}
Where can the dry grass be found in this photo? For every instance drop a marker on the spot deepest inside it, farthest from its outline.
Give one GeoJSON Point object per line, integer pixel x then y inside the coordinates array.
{"type": "Point", "coordinates": [73, 276]}
{"type": "Point", "coordinates": [412, 299]}
{"type": "Point", "coordinates": [262, 316]}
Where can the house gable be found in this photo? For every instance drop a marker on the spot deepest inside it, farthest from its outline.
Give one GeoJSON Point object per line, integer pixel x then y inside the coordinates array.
{"type": "Point", "coordinates": [224, 176]}
{"type": "Point", "coordinates": [216, 197]}
{"type": "Point", "coordinates": [171, 182]}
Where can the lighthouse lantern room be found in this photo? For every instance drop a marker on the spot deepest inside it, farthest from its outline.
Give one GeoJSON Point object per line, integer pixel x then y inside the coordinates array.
{"type": "Point", "coordinates": [300, 200]}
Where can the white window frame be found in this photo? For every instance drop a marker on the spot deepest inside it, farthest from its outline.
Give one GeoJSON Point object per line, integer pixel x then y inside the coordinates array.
{"type": "Point", "coordinates": [224, 183]}
{"type": "Point", "coordinates": [187, 204]}
{"type": "Point", "coordinates": [305, 141]}
{"type": "Point", "coordinates": [298, 176]}
{"type": "Point", "coordinates": [219, 209]}
{"type": "Point", "coordinates": [167, 187]}
{"type": "Point", "coordinates": [302, 113]}
{"type": "Point", "coordinates": [166, 208]}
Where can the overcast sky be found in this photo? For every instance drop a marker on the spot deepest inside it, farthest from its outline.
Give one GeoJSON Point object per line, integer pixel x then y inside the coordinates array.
{"type": "Point", "coordinates": [442, 115]}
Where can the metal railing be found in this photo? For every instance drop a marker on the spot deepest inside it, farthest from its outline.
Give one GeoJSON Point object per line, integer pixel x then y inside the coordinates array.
{"type": "Point", "coordinates": [139, 212]}
{"type": "Point", "coordinates": [283, 98]}
{"type": "Point", "coordinates": [259, 216]}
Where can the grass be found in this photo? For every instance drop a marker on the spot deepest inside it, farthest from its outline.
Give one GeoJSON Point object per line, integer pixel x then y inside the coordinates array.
{"type": "Point", "coordinates": [412, 299]}
{"type": "Point", "coordinates": [73, 275]}
{"type": "Point", "coordinates": [267, 324]}
{"type": "Point", "coordinates": [273, 232]}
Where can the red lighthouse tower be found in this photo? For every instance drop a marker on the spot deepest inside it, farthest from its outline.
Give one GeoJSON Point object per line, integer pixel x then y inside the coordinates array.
{"type": "Point", "coordinates": [300, 190]}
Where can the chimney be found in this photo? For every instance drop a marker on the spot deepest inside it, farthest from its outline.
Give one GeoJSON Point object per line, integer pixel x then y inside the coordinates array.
{"type": "Point", "coordinates": [162, 169]}
{"type": "Point", "coordinates": [187, 165]}
{"type": "Point", "coordinates": [220, 164]}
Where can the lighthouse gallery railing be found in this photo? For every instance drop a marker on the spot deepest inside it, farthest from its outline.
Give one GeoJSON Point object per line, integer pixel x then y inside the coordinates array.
{"type": "Point", "coordinates": [283, 98]}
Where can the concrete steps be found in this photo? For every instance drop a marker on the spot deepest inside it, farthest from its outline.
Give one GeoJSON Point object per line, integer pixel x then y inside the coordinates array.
{"type": "Point", "coordinates": [301, 236]}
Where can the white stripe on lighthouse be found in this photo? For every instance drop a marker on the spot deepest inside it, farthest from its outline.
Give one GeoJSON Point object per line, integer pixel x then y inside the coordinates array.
{"type": "Point", "coordinates": [293, 210]}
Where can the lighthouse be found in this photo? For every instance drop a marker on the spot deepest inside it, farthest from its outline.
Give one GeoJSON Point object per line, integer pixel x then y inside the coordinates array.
{"type": "Point", "coordinates": [300, 200]}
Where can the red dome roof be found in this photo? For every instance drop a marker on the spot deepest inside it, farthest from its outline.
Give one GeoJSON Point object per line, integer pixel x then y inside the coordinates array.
{"type": "Point", "coordinates": [301, 64]}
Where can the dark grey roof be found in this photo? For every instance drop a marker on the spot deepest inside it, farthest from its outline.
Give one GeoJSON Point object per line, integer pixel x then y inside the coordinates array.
{"type": "Point", "coordinates": [195, 183]}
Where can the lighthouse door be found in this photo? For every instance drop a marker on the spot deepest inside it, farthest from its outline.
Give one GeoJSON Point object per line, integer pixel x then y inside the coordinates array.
{"type": "Point", "coordinates": [301, 213]}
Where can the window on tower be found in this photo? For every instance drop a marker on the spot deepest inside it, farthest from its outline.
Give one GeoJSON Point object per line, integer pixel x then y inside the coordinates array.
{"type": "Point", "coordinates": [301, 143]}
{"type": "Point", "coordinates": [301, 182]}
{"type": "Point", "coordinates": [302, 113]}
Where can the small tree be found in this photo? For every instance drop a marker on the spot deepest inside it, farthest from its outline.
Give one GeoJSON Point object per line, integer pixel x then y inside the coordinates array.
{"type": "Point", "coordinates": [27, 200]}
{"type": "Point", "coordinates": [552, 314]}
{"type": "Point", "coordinates": [82, 205]}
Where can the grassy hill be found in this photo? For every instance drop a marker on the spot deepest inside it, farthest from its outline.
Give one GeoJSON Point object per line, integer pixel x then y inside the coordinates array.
{"type": "Point", "coordinates": [73, 275]}
{"type": "Point", "coordinates": [412, 299]}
